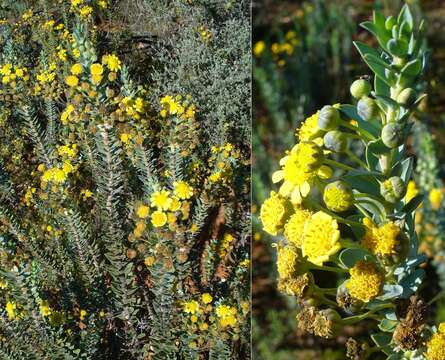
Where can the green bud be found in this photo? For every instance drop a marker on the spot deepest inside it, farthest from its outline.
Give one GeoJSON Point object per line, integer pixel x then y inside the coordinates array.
{"type": "Point", "coordinates": [328, 118]}
{"type": "Point", "coordinates": [338, 196]}
{"type": "Point", "coordinates": [335, 141]}
{"type": "Point", "coordinates": [390, 22]}
{"type": "Point", "coordinates": [393, 189]}
{"type": "Point", "coordinates": [407, 97]}
{"type": "Point", "coordinates": [360, 88]}
{"type": "Point", "coordinates": [367, 108]}
{"type": "Point", "coordinates": [392, 135]}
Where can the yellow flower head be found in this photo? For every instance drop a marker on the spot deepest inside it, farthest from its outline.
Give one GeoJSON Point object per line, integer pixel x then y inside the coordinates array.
{"type": "Point", "coordinates": [72, 80]}
{"type": "Point", "coordinates": [96, 69]}
{"type": "Point", "coordinates": [45, 310]}
{"type": "Point", "coordinates": [82, 314]}
{"type": "Point", "coordinates": [161, 200]}
{"type": "Point", "coordinates": [321, 238]}
{"type": "Point", "coordinates": [436, 345]}
{"type": "Point", "coordinates": [11, 310]}
{"type": "Point", "coordinates": [206, 298]}
{"type": "Point", "coordinates": [338, 196]}
{"type": "Point", "coordinates": [273, 213]}
{"type": "Point", "coordinates": [86, 11]}
{"type": "Point", "coordinates": [411, 191]}
{"type": "Point", "coordinates": [259, 48]}
{"type": "Point", "coordinates": [175, 204]}
{"type": "Point", "coordinates": [143, 211]}
{"type": "Point", "coordinates": [435, 196]}
{"type": "Point", "coordinates": [299, 170]}
{"type": "Point", "coordinates": [158, 218]}
{"type": "Point", "coordinates": [309, 128]}
{"type": "Point", "coordinates": [191, 307]}
{"type": "Point", "coordinates": [288, 261]}
{"type": "Point", "coordinates": [183, 190]}
{"type": "Point", "coordinates": [112, 62]}
{"type": "Point", "coordinates": [366, 281]}
{"type": "Point", "coordinates": [294, 228]}
{"type": "Point", "coordinates": [76, 69]}
{"type": "Point", "coordinates": [382, 240]}
{"type": "Point", "coordinates": [226, 315]}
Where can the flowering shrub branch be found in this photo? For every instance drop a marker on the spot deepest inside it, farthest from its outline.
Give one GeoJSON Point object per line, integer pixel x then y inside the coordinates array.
{"type": "Point", "coordinates": [347, 215]}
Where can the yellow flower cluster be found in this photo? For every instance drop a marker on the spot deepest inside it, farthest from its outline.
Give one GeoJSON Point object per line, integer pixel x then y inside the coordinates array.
{"type": "Point", "coordinates": [436, 345]}
{"type": "Point", "coordinates": [221, 163]}
{"type": "Point", "coordinates": [227, 315]}
{"type": "Point", "coordinates": [273, 213]}
{"type": "Point", "coordinates": [381, 240]}
{"type": "Point", "coordinates": [175, 106]}
{"type": "Point", "coordinates": [56, 174]}
{"type": "Point", "coordinates": [366, 281]}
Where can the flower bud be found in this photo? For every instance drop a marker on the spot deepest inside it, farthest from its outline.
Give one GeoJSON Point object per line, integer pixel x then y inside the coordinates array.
{"type": "Point", "coordinates": [392, 135]}
{"type": "Point", "coordinates": [390, 22]}
{"type": "Point", "coordinates": [367, 108]}
{"type": "Point", "coordinates": [335, 141]}
{"type": "Point", "coordinates": [328, 118]}
{"type": "Point", "coordinates": [360, 88]}
{"type": "Point", "coordinates": [407, 97]}
{"type": "Point", "coordinates": [338, 196]}
{"type": "Point", "coordinates": [393, 189]}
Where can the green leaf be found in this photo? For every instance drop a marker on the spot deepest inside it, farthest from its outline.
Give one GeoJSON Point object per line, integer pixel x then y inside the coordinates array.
{"type": "Point", "coordinates": [359, 231]}
{"type": "Point", "coordinates": [365, 51]}
{"type": "Point", "coordinates": [364, 184]}
{"type": "Point", "coordinates": [412, 68]}
{"type": "Point", "coordinates": [383, 341]}
{"type": "Point", "coordinates": [407, 169]}
{"type": "Point", "coordinates": [391, 292]}
{"type": "Point", "coordinates": [412, 282]}
{"type": "Point", "coordinates": [398, 47]}
{"type": "Point", "coordinates": [388, 101]}
{"type": "Point", "coordinates": [381, 87]}
{"type": "Point", "coordinates": [413, 204]}
{"type": "Point", "coordinates": [370, 58]}
{"type": "Point", "coordinates": [349, 257]}
{"type": "Point", "coordinates": [405, 15]}
{"type": "Point", "coordinates": [387, 325]}
{"type": "Point", "coordinates": [351, 112]}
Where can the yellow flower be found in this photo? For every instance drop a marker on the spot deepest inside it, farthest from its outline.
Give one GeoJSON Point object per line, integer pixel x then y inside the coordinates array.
{"type": "Point", "coordinates": [226, 315]}
{"type": "Point", "coordinates": [191, 307]}
{"type": "Point", "coordinates": [96, 69]}
{"type": "Point", "coordinates": [309, 129]}
{"type": "Point", "coordinates": [143, 211]}
{"type": "Point", "coordinates": [11, 310]}
{"type": "Point", "coordinates": [206, 298]}
{"type": "Point", "coordinates": [76, 69]}
{"type": "Point", "coordinates": [435, 196]}
{"type": "Point", "coordinates": [112, 61]}
{"type": "Point", "coordinates": [288, 260]}
{"type": "Point", "coordinates": [382, 240]}
{"type": "Point", "coordinates": [273, 213]}
{"type": "Point", "coordinates": [321, 238]}
{"type": "Point", "coordinates": [66, 114]}
{"type": "Point", "coordinates": [175, 204]}
{"type": "Point", "coordinates": [158, 218]}
{"type": "Point", "coordinates": [3, 284]}
{"type": "Point", "coordinates": [411, 191]}
{"type": "Point", "coordinates": [149, 261]}
{"type": "Point", "coordinates": [5, 70]}
{"type": "Point", "coordinates": [294, 228]}
{"type": "Point", "coordinates": [72, 80]}
{"type": "Point", "coordinates": [45, 310]}
{"type": "Point", "coordinates": [259, 48]}
{"type": "Point", "coordinates": [96, 79]}
{"type": "Point", "coordinates": [299, 170]}
{"type": "Point", "coordinates": [366, 281]}
{"type": "Point", "coordinates": [125, 138]}
{"type": "Point", "coordinates": [183, 190]}
{"type": "Point", "coordinates": [436, 345]}
{"type": "Point", "coordinates": [77, 2]}
{"type": "Point", "coordinates": [82, 314]}
{"type": "Point", "coordinates": [338, 196]}
{"type": "Point", "coordinates": [86, 11]}
{"type": "Point", "coordinates": [161, 200]}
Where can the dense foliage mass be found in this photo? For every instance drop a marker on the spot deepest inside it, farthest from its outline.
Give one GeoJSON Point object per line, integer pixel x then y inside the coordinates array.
{"type": "Point", "coordinates": [124, 180]}
{"type": "Point", "coordinates": [353, 216]}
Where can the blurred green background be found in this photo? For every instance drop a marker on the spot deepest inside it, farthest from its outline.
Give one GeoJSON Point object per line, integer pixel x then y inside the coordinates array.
{"type": "Point", "coordinates": [303, 59]}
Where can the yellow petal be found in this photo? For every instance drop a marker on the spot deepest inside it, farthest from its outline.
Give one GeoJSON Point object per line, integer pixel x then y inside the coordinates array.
{"type": "Point", "coordinates": [277, 176]}
{"type": "Point", "coordinates": [296, 196]}
{"type": "Point", "coordinates": [286, 188]}
{"type": "Point", "coordinates": [325, 172]}
{"type": "Point", "coordinates": [283, 160]}
{"type": "Point", "coordinates": [305, 188]}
